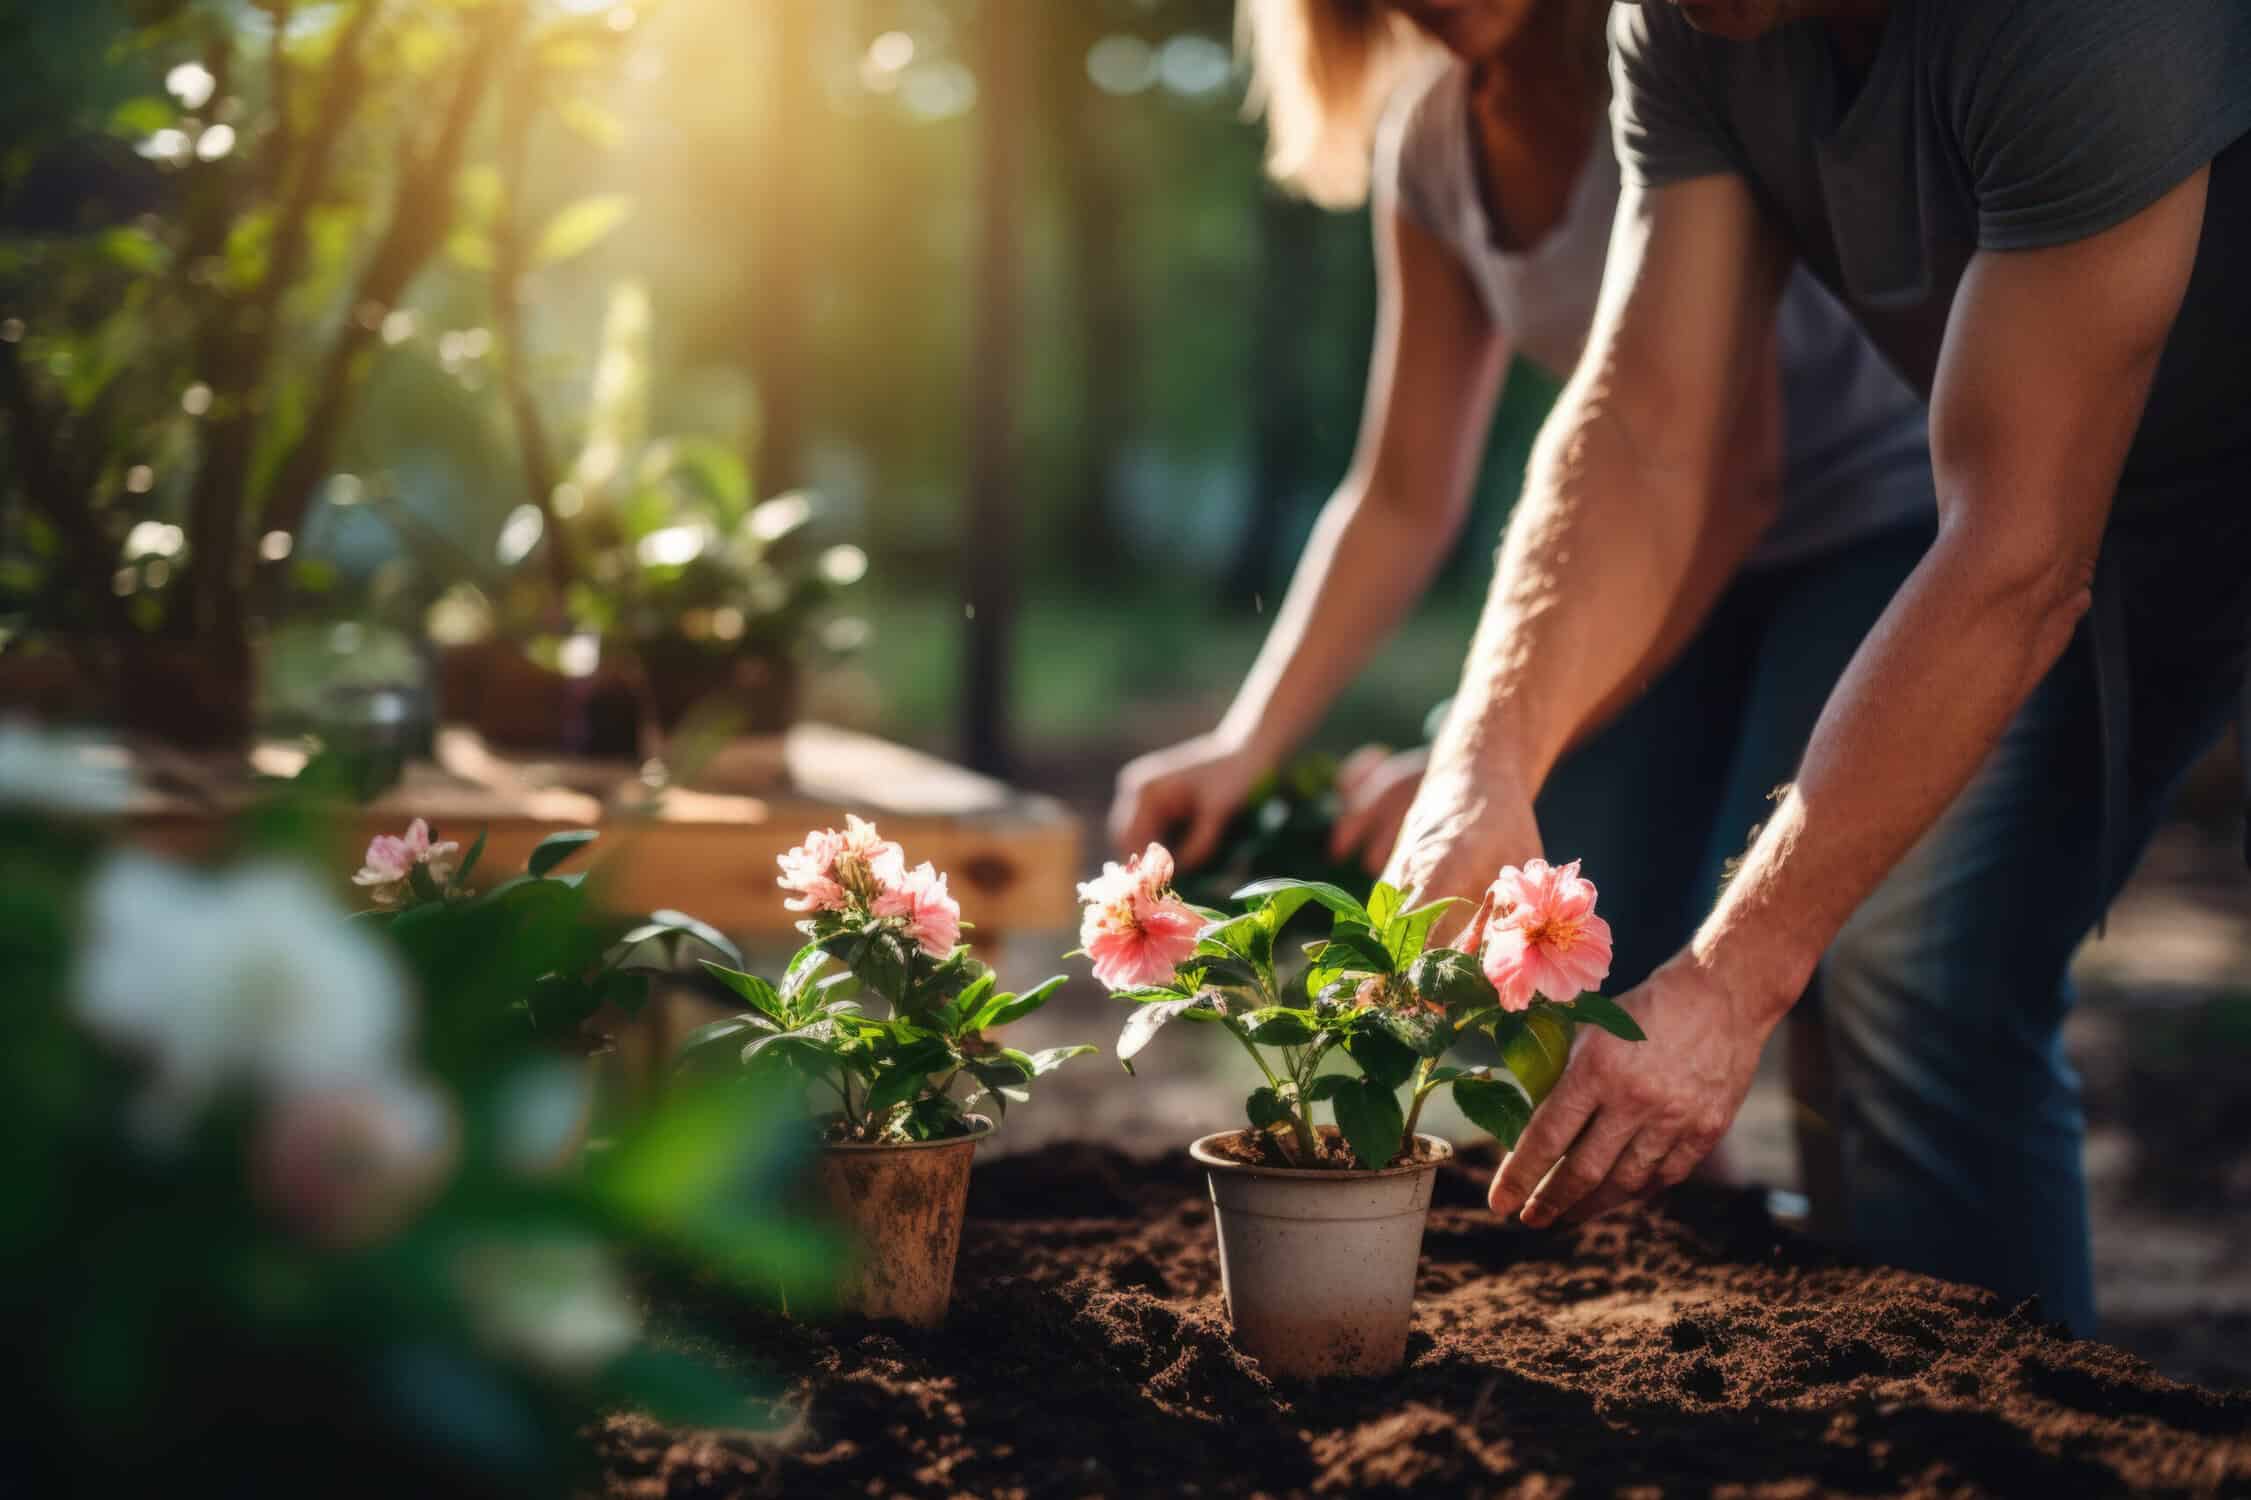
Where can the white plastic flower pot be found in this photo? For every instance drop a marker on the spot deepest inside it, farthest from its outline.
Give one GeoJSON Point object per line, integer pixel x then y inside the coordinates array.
{"type": "Point", "coordinates": [1319, 1266]}
{"type": "Point", "coordinates": [903, 1207]}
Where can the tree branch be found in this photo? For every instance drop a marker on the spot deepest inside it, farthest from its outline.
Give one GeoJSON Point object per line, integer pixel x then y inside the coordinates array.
{"type": "Point", "coordinates": [237, 345]}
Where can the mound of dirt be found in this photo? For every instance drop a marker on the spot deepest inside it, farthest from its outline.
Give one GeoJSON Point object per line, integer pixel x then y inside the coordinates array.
{"type": "Point", "coordinates": [1670, 1350]}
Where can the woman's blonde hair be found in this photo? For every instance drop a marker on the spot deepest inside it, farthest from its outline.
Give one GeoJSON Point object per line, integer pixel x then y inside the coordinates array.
{"type": "Point", "coordinates": [1320, 73]}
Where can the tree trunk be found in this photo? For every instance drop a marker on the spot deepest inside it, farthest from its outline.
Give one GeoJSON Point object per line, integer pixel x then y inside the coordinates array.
{"type": "Point", "coordinates": [1004, 45]}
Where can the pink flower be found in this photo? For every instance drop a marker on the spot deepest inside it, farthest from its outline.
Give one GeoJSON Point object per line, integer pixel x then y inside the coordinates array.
{"type": "Point", "coordinates": [932, 916]}
{"type": "Point", "coordinates": [1136, 930]}
{"type": "Point", "coordinates": [1541, 936]}
{"type": "Point", "coordinates": [831, 869]}
{"type": "Point", "coordinates": [1147, 874]}
{"type": "Point", "coordinates": [388, 872]}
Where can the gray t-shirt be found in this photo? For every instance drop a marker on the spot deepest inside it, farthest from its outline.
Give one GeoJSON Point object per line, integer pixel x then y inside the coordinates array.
{"type": "Point", "coordinates": [1856, 456]}
{"type": "Point", "coordinates": [1980, 125]}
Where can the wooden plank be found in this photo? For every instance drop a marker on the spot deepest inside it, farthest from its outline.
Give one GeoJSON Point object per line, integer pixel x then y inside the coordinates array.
{"type": "Point", "coordinates": [1012, 857]}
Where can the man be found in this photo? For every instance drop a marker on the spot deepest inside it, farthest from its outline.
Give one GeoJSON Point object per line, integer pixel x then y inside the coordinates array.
{"type": "Point", "coordinates": [2041, 213]}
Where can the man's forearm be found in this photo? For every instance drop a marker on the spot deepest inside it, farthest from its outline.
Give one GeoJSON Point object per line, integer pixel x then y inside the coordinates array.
{"type": "Point", "coordinates": [1922, 704]}
{"type": "Point", "coordinates": [1608, 564]}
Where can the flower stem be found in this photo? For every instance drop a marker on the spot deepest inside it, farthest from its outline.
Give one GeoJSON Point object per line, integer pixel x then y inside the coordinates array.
{"type": "Point", "coordinates": [1423, 1090]}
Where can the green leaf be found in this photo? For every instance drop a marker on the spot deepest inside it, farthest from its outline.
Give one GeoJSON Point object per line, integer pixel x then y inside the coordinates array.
{"type": "Point", "coordinates": [1368, 1113]}
{"type": "Point", "coordinates": [1228, 972]}
{"type": "Point", "coordinates": [761, 995]}
{"type": "Point", "coordinates": [881, 964]}
{"type": "Point", "coordinates": [963, 1011]}
{"type": "Point", "coordinates": [581, 226]}
{"type": "Point", "coordinates": [557, 847]}
{"type": "Point", "coordinates": [1003, 1009]}
{"type": "Point", "coordinates": [1352, 946]}
{"type": "Point", "coordinates": [1454, 980]}
{"type": "Point", "coordinates": [1407, 933]}
{"type": "Point", "coordinates": [894, 1087]}
{"type": "Point", "coordinates": [1142, 1025]}
{"type": "Point", "coordinates": [1602, 1011]}
{"type": "Point", "coordinates": [803, 968]}
{"type": "Point", "coordinates": [1335, 898]}
{"type": "Point", "coordinates": [1494, 1105]}
{"type": "Point", "coordinates": [1048, 1059]}
{"type": "Point", "coordinates": [1381, 1056]}
{"type": "Point", "coordinates": [1537, 1053]}
{"type": "Point", "coordinates": [468, 865]}
{"type": "Point", "coordinates": [1278, 1026]}
{"type": "Point", "coordinates": [1422, 1032]}
{"type": "Point", "coordinates": [1325, 1087]}
{"type": "Point", "coordinates": [1383, 905]}
{"type": "Point", "coordinates": [715, 1032]}
{"type": "Point", "coordinates": [1265, 1108]}
{"type": "Point", "coordinates": [695, 927]}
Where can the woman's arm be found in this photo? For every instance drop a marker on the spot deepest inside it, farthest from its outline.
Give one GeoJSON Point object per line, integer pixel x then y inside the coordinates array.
{"type": "Point", "coordinates": [1433, 381]}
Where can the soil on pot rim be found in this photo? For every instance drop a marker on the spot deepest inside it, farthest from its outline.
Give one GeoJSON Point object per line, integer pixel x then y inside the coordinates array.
{"type": "Point", "coordinates": [1669, 1350]}
{"type": "Point", "coordinates": [1264, 1149]}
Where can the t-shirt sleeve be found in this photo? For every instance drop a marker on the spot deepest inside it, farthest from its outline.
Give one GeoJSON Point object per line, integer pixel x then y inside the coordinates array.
{"type": "Point", "coordinates": [1401, 143]}
{"type": "Point", "coordinates": [2075, 115]}
{"type": "Point", "coordinates": [1662, 119]}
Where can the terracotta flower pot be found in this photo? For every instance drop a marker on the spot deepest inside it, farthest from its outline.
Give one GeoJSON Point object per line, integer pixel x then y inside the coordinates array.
{"type": "Point", "coordinates": [1319, 1266]}
{"type": "Point", "coordinates": [517, 704]}
{"type": "Point", "coordinates": [903, 1207]}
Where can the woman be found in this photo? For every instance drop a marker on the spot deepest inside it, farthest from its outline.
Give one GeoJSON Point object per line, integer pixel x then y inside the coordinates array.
{"type": "Point", "coordinates": [1494, 187]}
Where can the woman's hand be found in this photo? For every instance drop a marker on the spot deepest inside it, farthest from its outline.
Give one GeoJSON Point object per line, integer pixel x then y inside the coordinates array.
{"type": "Point", "coordinates": [1375, 787]}
{"type": "Point", "coordinates": [1198, 783]}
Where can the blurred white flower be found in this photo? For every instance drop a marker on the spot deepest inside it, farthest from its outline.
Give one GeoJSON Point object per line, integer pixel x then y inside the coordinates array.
{"type": "Point", "coordinates": [48, 773]}
{"type": "Point", "coordinates": [254, 977]}
{"type": "Point", "coordinates": [560, 1303]}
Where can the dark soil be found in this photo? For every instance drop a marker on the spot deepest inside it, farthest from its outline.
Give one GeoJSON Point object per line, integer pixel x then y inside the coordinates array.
{"type": "Point", "coordinates": [1667, 1351]}
{"type": "Point", "coordinates": [1332, 1152]}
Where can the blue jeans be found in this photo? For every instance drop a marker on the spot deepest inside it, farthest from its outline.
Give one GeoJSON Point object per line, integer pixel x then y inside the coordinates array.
{"type": "Point", "coordinates": [1943, 998]}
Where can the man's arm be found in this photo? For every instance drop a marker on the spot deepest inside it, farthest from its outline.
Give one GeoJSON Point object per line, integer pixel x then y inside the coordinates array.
{"type": "Point", "coordinates": [2047, 364]}
{"type": "Point", "coordinates": [1654, 475]}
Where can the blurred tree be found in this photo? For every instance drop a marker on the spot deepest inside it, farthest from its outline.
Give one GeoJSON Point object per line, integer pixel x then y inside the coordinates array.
{"type": "Point", "coordinates": [178, 385]}
{"type": "Point", "coordinates": [1004, 47]}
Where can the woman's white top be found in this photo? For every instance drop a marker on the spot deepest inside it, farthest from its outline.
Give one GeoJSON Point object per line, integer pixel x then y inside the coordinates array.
{"type": "Point", "coordinates": [1856, 448]}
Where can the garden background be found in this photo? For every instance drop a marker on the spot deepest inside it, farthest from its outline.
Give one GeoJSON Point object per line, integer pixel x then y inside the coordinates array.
{"type": "Point", "coordinates": [998, 280]}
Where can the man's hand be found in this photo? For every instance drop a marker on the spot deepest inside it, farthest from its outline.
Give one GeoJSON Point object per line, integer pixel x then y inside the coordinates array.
{"type": "Point", "coordinates": [1199, 783]}
{"type": "Point", "coordinates": [1375, 787]}
{"type": "Point", "coordinates": [1464, 825]}
{"type": "Point", "coordinates": [1630, 1117]}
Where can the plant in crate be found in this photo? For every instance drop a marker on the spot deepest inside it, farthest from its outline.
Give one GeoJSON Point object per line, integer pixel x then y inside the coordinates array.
{"type": "Point", "coordinates": [892, 1090]}
{"type": "Point", "coordinates": [555, 962]}
{"type": "Point", "coordinates": [1300, 1204]}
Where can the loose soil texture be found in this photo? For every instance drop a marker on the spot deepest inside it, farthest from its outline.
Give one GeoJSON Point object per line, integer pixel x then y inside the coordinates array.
{"type": "Point", "coordinates": [1677, 1350]}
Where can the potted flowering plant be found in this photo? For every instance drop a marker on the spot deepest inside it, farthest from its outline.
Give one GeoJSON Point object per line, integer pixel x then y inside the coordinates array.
{"type": "Point", "coordinates": [1298, 1204]}
{"type": "Point", "coordinates": [897, 1145]}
